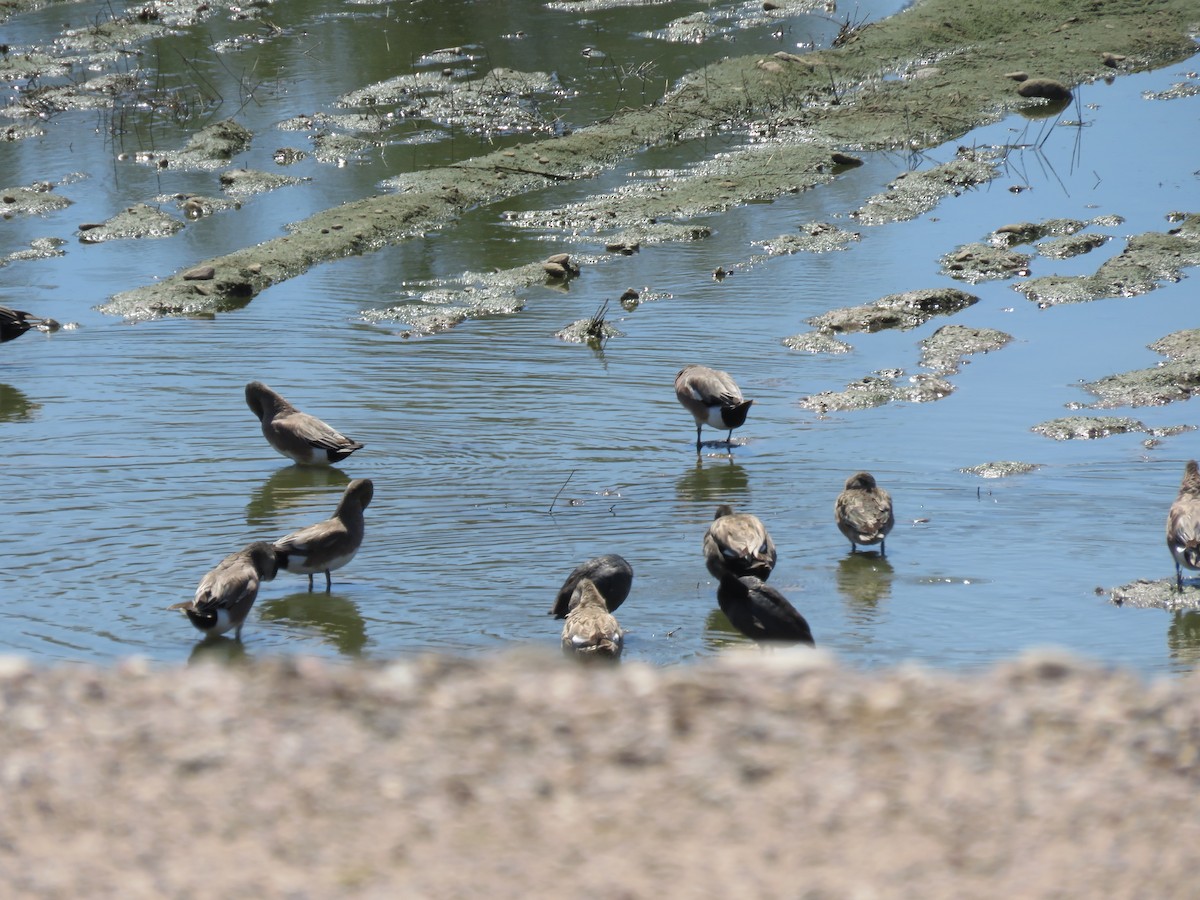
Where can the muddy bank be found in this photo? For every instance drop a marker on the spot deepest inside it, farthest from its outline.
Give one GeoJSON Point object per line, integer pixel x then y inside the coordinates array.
{"type": "Point", "coordinates": [812, 110]}
{"type": "Point", "coordinates": [1044, 777]}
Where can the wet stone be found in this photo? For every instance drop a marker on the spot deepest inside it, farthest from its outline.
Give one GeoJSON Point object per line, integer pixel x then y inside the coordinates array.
{"type": "Point", "coordinates": [816, 342]}
{"type": "Point", "coordinates": [338, 149]}
{"type": "Point", "coordinates": [1087, 427]}
{"type": "Point", "coordinates": [208, 148]}
{"type": "Point", "coordinates": [140, 221]}
{"type": "Point", "coordinates": [1176, 379]}
{"type": "Point", "coordinates": [1147, 260]}
{"type": "Point", "coordinates": [1030, 232]}
{"type": "Point", "coordinates": [39, 248]}
{"type": "Point", "coordinates": [1000, 469]}
{"type": "Point", "coordinates": [247, 182]}
{"type": "Point", "coordinates": [36, 199]}
{"type": "Point", "coordinates": [588, 331]}
{"type": "Point", "coordinates": [917, 192]}
{"type": "Point", "coordinates": [1160, 594]}
{"type": "Point", "coordinates": [1045, 88]}
{"type": "Point", "coordinates": [1075, 245]}
{"type": "Point", "coordinates": [946, 349]}
{"type": "Point", "coordinates": [904, 311]}
{"type": "Point", "coordinates": [974, 263]}
{"type": "Point", "coordinates": [813, 237]}
{"type": "Point", "coordinates": [877, 390]}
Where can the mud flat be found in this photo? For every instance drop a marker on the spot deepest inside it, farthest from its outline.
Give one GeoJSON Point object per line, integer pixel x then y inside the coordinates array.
{"type": "Point", "coordinates": [773, 775]}
{"type": "Point", "coordinates": [925, 76]}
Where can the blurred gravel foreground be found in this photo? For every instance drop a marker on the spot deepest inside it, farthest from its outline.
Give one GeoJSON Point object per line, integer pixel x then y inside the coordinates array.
{"type": "Point", "coordinates": [759, 775]}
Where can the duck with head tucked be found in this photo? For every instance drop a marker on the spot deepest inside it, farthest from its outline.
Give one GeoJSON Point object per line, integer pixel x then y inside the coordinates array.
{"type": "Point", "coordinates": [302, 438]}
{"type": "Point", "coordinates": [330, 544]}
{"type": "Point", "coordinates": [590, 631]}
{"type": "Point", "coordinates": [761, 612]}
{"type": "Point", "coordinates": [713, 399]}
{"type": "Point", "coordinates": [226, 594]}
{"type": "Point", "coordinates": [863, 511]}
{"type": "Point", "coordinates": [15, 322]}
{"type": "Point", "coordinates": [1183, 524]}
{"type": "Point", "coordinates": [738, 544]}
{"type": "Point", "coordinates": [611, 574]}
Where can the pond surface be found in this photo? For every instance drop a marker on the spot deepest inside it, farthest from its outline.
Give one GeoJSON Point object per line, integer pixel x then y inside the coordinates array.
{"type": "Point", "coordinates": [501, 455]}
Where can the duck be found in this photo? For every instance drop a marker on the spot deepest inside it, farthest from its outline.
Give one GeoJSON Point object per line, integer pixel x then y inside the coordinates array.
{"type": "Point", "coordinates": [302, 438]}
{"type": "Point", "coordinates": [591, 631]}
{"type": "Point", "coordinates": [761, 612]}
{"type": "Point", "coordinates": [227, 592]}
{"type": "Point", "coordinates": [1183, 524]}
{"type": "Point", "coordinates": [863, 511]}
{"type": "Point", "coordinates": [713, 398]}
{"type": "Point", "coordinates": [330, 544]}
{"type": "Point", "coordinates": [738, 543]}
{"type": "Point", "coordinates": [15, 322]}
{"type": "Point", "coordinates": [611, 574]}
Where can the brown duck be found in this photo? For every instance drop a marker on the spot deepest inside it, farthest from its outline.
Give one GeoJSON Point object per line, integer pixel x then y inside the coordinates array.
{"type": "Point", "coordinates": [713, 399]}
{"type": "Point", "coordinates": [226, 594]}
{"type": "Point", "coordinates": [738, 544]}
{"type": "Point", "coordinates": [300, 437]}
{"type": "Point", "coordinates": [330, 544]}
{"type": "Point", "coordinates": [1183, 524]}
{"type": "Point", "coordinates": [591, 631]}
{"type": "Point", "coordinates": [863, 511]}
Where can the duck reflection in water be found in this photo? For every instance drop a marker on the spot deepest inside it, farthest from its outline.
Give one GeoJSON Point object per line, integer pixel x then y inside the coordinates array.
{"type": "Point", "coordinates": [864, 580]}
{"type": "Point", "coordinates": [333, 616]}
{"type": "Point", "coordinates": [218, 649]}
{"type": "Point", "coordinates": [713, 479]}
{"type": "Point", "coordinates": [15, 406]}
{"type": "Point", "coordinates": [291, 486]}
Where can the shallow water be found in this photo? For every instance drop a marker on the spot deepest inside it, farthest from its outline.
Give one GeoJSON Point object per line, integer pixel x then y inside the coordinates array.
{"type": "Point", "coordinates": [502, 456]}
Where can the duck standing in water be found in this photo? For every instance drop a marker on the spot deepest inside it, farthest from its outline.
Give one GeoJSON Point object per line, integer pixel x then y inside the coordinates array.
{"type": "Point", "coordinates": [330, 544]}
{"type": "Point", "coordinates": [226, 594]}
{"type": "Point", "coordinates": [302, 438]}
{"type": "Point", "coordinates": [1183, 524]}
{"type": "Point", "coordinates": [738, 544]}
{"type": "Point", "coordinates": [760, 612]}
{"type": "Point", "coordinates": [863, 511]}
{"type": "Point", "coordinates": [590, 631]}
{"type": "Point", "coordinates": [611, 574]}
{"type": "Point", "coordinates": [713, 399]}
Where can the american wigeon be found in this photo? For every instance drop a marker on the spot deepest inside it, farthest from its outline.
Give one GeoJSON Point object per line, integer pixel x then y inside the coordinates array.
{"type": "Point", "coordinates": [591, 631]}
{"type": "Point", "coordinates": [15, 322]}
{"type": "Point", "coordinates": [1183, 524]}
{"type": "Point", "coordinates": [713, 399]}
{"type": "Point", "coordinates": [738, 543]}
{"type": "Point", "coordinates": [330, 544]}
{"type": "Point", "coordinates": [611, 574]}
{"type": "Point", "coordinates": [300, 437]}
{"type": "Point", "coordinates": [863, 511]}
{"type": "Point", "coordinates": [227, 592]}
{"type": "Point", "coordinates": [760, 612]}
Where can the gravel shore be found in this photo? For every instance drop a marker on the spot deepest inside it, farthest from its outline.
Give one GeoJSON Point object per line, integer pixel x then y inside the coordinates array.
{"type": "Point", "coordinates": [760, 775]}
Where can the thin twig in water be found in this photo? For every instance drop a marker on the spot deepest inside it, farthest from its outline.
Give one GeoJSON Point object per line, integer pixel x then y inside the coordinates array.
{"type": "Point", "coordinates": [594, 330]}
{"type": "Point", "coordinates": [560, 490]}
